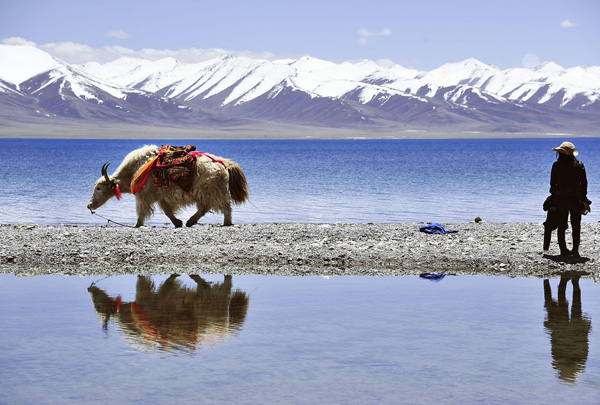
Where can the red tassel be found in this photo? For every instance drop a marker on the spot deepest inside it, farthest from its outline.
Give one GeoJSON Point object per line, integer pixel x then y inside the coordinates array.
{"type": "Point", "coordinates": [117, 192]}
{"type": "Point", "coordinates": [118, 303]}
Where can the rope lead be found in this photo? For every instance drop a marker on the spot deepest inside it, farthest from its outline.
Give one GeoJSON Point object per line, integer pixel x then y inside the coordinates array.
{"type": "Point", "coordinates": [110, 220]}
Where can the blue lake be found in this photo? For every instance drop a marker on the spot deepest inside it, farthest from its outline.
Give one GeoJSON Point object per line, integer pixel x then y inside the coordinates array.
{"type": "Point", "coordinates": [299, 340]}
{"type": "Point", "coordinates": [49, 182]}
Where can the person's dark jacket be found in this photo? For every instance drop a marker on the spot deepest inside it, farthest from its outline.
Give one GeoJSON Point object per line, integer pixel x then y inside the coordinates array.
{"type": "Point", "coordinates": [568, 178]}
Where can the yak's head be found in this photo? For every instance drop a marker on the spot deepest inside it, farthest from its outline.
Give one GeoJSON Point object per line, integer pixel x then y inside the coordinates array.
{"type": "Point", "coordinates": [104, 189]}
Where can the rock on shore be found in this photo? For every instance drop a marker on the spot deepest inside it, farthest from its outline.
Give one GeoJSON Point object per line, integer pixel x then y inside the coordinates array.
{"type": "Point", "coordinates": [513, 250]}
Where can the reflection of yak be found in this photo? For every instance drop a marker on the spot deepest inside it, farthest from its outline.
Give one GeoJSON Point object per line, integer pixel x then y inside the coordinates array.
{"type": "Point", "coordinates": [175, 317]}
{"type": "Point", "coordinates": [568, 336]}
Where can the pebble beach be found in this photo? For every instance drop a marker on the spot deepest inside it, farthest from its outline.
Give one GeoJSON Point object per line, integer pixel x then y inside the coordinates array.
{"type": "Point", "coordinates": [488, 249]}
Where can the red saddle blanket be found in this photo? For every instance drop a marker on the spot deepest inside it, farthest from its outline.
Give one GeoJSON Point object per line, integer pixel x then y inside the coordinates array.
{"type": "Point", "coordinates": [175, 164]}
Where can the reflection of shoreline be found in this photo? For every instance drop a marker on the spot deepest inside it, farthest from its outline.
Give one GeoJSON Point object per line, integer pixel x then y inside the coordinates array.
{"type": "Point", "coordinates": [173, 317]}
{"type": "Point", "coordinates": [569, 333]}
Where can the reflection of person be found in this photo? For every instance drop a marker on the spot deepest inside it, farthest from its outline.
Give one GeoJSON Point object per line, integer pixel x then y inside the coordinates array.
{"type": "Point", "coordinates": [173, 316]}
{"type": "Point", "coordinates": [568, 186]}
{"type": "Point", "coordinates": [568, 336]}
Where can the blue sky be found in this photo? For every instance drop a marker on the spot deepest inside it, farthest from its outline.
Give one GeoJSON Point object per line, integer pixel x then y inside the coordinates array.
{"type": "Point", "coordinates": [419, 34]}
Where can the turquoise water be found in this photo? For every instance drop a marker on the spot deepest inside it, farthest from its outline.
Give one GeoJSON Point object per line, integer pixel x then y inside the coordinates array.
{"type": "Point", "coordinates": [297, 340]}
{"type": "Point", "coordinates": [49, 182]}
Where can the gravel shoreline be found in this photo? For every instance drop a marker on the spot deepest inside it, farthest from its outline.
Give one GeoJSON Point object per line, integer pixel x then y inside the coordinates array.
{"type": "Point", "coordinates": [513, 250]}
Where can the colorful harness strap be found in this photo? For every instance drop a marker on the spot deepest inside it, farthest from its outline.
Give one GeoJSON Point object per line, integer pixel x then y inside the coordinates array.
{"type": "Point", "coordinates": [214, 159]}
{"type": "Point", "coordinates": [141, 176]}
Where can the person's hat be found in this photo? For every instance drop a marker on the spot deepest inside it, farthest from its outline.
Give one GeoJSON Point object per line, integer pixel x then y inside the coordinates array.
{"type": "Point", "coordinates": [567, 148]}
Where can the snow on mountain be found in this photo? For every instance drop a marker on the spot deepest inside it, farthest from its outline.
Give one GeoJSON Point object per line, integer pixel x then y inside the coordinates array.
{"type": "Point", "coordinates": [582, 77]}
{"type": "Point", "coordinates": [515, 84]}
{"type": "Point", "coordinates": [19, 63]}
{"type": "Point", "coordinates": [326, 79]}
{"type": "Point", "coordinates": [77, 83]}
{"type": "Point", "coordinates": [305, 90]}
{"type": "Point", "coordinates": [114, 70]}
{"type": "Point", "coordinates": [221, 74]}
{"type": "Point", "coordinates": [241, 80]}
{"type": "Point", "coordinates": [547, 82]}
{"type": "Point", "coordinates": [470, 71]}
{"type": "Point", "coordinates": [15, 105]}
{"type": "Point", "coordinates": [140, 73]}
{"type": "Point", "coordinates": [550, 69]}
{"type": "Point", "coordinates": [8, 88]}
{"type": "Point", "coordinates": [392, 74]}
{"type": "Point", "coordinates": [263, 79]}
{"type": "Point", "coordinates": [237, 80]}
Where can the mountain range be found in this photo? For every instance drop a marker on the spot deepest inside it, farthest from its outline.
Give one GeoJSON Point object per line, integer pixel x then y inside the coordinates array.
{"type": "Point", "coordinates": [235, 92]}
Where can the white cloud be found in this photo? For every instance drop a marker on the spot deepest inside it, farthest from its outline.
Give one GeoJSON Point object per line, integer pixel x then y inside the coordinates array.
{"type": "Point", "coordinates": [72, 52]}
{"type": "Point", "coordinates": [365, 33]}
{"type": "Point", "coordinates": [117, 34]}
{"type": "Point", "coordinates": [568, 24]}
{"type": "Point", "coordinates": [17, 41]}
{"type": "Point", "coordinates": [67, 48]}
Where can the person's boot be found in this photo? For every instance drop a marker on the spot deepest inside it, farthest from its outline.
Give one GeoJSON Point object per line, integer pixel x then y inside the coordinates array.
{"type": "Point", "coordinates": [562, 243]}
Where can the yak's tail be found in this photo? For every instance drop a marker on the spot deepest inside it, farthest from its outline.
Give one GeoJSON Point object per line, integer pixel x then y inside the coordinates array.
{"type": "Point", "coordinates": [238, 186]}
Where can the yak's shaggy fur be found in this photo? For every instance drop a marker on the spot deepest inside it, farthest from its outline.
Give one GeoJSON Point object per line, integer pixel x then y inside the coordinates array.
{"type": "Point", "coordinates": [214, 187]}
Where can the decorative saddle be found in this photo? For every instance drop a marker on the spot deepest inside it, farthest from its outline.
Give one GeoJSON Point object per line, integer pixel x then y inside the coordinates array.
{"type": "Point", "coordinates": [175, 164]}
{"type": "Point", "coordinates": [172, 164]}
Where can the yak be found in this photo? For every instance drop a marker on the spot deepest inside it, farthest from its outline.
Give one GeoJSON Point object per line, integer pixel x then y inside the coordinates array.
{"type": "Point", "coordinates": [216, 183]}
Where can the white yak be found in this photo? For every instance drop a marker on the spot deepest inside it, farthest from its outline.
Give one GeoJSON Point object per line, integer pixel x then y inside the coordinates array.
{"type": "Point", "coordinates": [216, 183]}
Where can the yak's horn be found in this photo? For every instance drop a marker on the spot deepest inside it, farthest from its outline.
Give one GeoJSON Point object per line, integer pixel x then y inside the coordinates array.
{"type": "Point", "coordinates": [104, 170]}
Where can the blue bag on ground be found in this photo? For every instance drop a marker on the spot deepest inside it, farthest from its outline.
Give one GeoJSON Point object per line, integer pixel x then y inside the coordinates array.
{"type": "Point", "coordinates": [434, 228]}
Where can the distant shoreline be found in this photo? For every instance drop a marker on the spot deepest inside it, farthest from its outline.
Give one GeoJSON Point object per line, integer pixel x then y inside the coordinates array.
{"type": "Point", "coordinates": [490, 249]}
{"type": "Point", "coordinates": [266, 132]}
{"type": "Point", "coordinates": [259, 137]}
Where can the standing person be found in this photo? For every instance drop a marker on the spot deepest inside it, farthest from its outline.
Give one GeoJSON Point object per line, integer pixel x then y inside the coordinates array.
{"type": "Point", "coordinates": [568, 184]}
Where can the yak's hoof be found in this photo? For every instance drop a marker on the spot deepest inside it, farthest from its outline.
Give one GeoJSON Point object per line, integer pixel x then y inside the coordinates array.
{"type": "Point", "coordinates": [189, 224]}
{"type": "Point", "coordinates": [178, 224]}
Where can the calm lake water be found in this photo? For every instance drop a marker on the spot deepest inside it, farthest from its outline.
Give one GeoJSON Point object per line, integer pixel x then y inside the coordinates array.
{"type": "Point", "coordinates": [49, 182]}
{"type": "Point", "coordinates": [267, 339]}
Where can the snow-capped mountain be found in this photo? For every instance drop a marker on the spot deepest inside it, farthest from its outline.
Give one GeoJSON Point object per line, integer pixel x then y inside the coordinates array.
{"type": "Point", "coordinates": [232, 90]}
{"type": "Point", "coordinates": [67, 91]}
{"type": "Point", "coordinates": [19, 63]}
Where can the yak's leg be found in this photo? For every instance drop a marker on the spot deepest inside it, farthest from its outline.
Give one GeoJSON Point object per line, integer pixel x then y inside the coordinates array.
{"type": "Point", "coordinates": [167, 286]}
{"type": "Point", "coordinates": [227, 282]}
{"type": "Point", "coordinates": [194, 218]}
{"type": "Point", "coordinates": [166, 208]}
{"type": "Point", "coordinates": [227, 215]}
{"type": "Point", "coordinates": [143, 209]}
{"type": "Point", "coordinates": [202, 283]}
